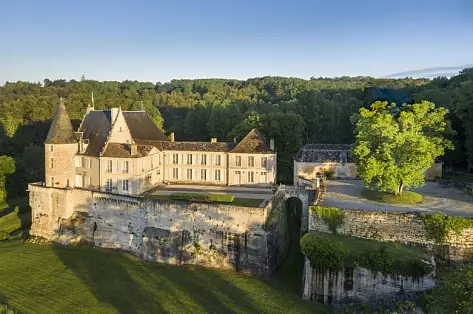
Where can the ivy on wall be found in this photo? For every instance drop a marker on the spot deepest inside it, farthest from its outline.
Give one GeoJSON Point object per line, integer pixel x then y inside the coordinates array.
{"type": "Point", "coordinates": [332, 216]}
{"type": "Point", "coordinates": [332, 252]}
{"type": "Point", "coordinates": [438, 225]}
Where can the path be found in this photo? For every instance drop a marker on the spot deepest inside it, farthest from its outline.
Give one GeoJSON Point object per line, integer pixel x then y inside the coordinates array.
{"type": "Point", "coordinates": [347, 194]}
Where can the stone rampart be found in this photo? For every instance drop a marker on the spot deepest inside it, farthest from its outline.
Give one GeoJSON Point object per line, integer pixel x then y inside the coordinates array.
{"type": "Point", "coordinates": [407, 228]}
{"type": "Point", "coordinates": [214, 235]}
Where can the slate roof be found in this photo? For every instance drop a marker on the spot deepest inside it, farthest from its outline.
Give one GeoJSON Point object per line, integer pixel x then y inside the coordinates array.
{"type": "Point", "coordinates": [124, 150]}
{"type": "Point", "coordinates": [143, 127]}
{"type": "Point", "coordinates": [198, 146]}
{"type": "Point", "coordinates": [96, 126]}
{"type": "Point", "coordinates": [61, 131]}
{"type": "Point", "coordinates": [321, 153]}
{"type": "Point", "coordinates": [253, 143]}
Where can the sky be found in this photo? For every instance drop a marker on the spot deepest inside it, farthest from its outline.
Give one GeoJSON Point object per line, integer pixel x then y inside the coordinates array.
{"type": "Point", "coordinates": [163, 40]}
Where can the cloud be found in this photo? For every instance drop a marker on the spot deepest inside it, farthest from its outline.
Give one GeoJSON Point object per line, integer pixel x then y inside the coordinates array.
{"type": "Point", "coordinates": [431, 72]}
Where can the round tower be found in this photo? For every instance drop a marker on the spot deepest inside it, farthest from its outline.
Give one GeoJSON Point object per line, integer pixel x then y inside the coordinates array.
{"type": "Point", "coordinates": [60, 148]}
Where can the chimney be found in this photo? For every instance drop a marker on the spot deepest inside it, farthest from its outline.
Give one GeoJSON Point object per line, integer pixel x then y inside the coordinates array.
{"type": "Point", "coordinates": [113, 113]}
{"type": "Point", "coordinates": [234, 140]}
{"type": "Point", "coordinates": [213, 140]}
{"type": "Point", "coordinates": [133, 149]}
{"type": "Point", "coordinates": [271, 144]}
{"type": "Point", "coordinates": [89, 108]}
{"type": "Point", "coordinates": [172, 137]}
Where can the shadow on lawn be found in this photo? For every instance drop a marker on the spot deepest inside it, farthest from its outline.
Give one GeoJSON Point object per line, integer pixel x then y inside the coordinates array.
{"type": "Point", "coordinates": [107, 276]}
{"type": "Point", "coordinates": [130, 286]}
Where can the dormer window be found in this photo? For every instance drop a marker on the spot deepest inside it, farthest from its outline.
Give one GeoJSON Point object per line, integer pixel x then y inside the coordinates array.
{"type": "Point", "coordinates": [120, 130]}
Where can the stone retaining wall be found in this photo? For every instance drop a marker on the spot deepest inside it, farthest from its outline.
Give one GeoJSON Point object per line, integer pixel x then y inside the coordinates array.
{"type": "Point", "coordinates": [214, 235]}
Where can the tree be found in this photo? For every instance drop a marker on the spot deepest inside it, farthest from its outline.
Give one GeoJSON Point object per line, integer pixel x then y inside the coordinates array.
{"type": "Point", "coordinates": [454, 294]}
{"type": "Point", "coordinates": [395, 145]}
{"type": "Point", "coordinates": [464, 110]}
{"type": "Point", "coordinates": [7, 166]}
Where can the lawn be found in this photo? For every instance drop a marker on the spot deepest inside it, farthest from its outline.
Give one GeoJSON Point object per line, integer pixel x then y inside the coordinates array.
{"type": "Point", "coordinates": [407, 197]}
{"type": "Point", "coordinates": [58, 279]}
{"type": "Point", "coordinates": [12, 222]}
{"type": "Point", "coordinates": [245, 202]}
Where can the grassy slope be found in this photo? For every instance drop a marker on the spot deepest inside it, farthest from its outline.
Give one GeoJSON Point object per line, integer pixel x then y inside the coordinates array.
{"type": "Point", "coordinates": [401, 251]}
{"type": "Point", "coordinates": [57, 279]}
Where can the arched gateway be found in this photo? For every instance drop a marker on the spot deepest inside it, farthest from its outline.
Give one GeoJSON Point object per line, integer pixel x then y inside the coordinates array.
{"type": "Point", "coordinates": [307, 195]}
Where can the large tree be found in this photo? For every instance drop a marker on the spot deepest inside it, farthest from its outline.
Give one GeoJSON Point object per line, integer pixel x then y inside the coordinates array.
{"type": "Point", "coordinates": [7, 166]}
{"type": "Point", "coordinates": [396, 144]}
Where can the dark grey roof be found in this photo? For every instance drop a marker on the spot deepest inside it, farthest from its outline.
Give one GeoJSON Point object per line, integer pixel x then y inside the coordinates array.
{"type": "Point", "coordinates": [253, 143]}
{"type": "Point", "coordinates": [124, 150]}
{"type": "Point", "coordinates": [61, 131]}
{"type": "Point", "coordinates": [96, 126]}
{"type": "Point", "coordinates": [325, 153]}
{"type": "Point", "coordinates": [143, 127]}
{"type": "Point", "coordinates": [198, 146]}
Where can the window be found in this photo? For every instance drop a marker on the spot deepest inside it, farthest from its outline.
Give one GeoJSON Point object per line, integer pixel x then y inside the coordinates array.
{"type": "Point", "coordinates": [203, 174]}
{"type": "Point", "coordinates": [125, 166]}
{"type": "Point", "coordinates": [264, 177]}
{"type": "Point", "coordinates": [89, 181]}
{"type": "Point", "coordinates": [189, 159]}
{"type": "Point", "coordinates": [251, 177]}
{"type": "Point", "coordinates": [238, 161]}
{"type": "Point", "coordinates": [109, 185]}
{"type": "Point", "coordinates": [89, 163]}
{"type": "Point", "coordinates": [203, 161]}
{"type": "Point", "coordinates": [189, 174]}
{"type": "Point", "coordinates": [52, 181]}
{"type": "Point", "coordinates": [52, 163]}
{"type": "Point", "coordinates": [152, 163]}
{"type": "Point", "coordinates": [175, 158]}
{"type": "Point", "coordinates": [51, 148]}
{"type": "Point", "coordinates": [218, 160]}
{"type": "Point", "coordinates": [217, 175]}
{"type": "Point", "coordinates": [264, 162]}
{"type": "Point", "coordinates": [251, 161]}
{"type": "Point", "coordinates": [174, 173]}
{"type": "Point", "coordinates": [109, 166]}
{"type": "Point", "coordinates": [120, 130]}
{"type": "Point", "coordinates": [125, 185]}
{"type": "Point", "coordinates": [82, 162]}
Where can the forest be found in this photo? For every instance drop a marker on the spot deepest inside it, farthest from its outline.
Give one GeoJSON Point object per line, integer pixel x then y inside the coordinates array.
{"type": "Point", "coordinates": [293, 111]}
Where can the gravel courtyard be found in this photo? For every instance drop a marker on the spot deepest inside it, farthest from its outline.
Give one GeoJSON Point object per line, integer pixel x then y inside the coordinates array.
{"type": "Point", "coordinates": [347, 194]}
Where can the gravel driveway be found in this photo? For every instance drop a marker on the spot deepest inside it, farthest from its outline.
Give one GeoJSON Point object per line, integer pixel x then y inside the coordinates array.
{"type": "Point", "coordinates": [347, 194]}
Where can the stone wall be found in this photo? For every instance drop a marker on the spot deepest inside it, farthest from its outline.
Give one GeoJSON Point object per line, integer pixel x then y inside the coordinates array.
{"type": "Point", "coordinates": [169, 232]}
{"type": "Point", "coordinates": [401, 227]}
{"type": "Point", "coordinates": [360, 285]}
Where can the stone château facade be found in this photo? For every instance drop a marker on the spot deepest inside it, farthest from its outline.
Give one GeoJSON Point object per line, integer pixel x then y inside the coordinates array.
{"type": "Point", "coordinates": [124, 152]}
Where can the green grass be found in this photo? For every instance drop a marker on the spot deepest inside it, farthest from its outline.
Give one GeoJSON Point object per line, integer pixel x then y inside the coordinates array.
{"type": "Point", "coordinates": [245, 202]}
{"type": "Point", "coordinates": [402, 252]}
{"type": "Point", "coordinates": [407, 197]}
{"type": "Point", "coordinates": [58, 279]}
{"type": "Point", "coordinates": [222, 198]}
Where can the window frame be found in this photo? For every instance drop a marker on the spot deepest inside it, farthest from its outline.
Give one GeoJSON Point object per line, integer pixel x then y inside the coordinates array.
{"type": "Point", "coordinates": [237, 161]}
{"type": "Point", "coordinates": [217, 175]}
{"type": "Point", "coordinates": [251, 177]}
{"type": "Point", "coordinates": [189, 174]}
{"type": "Point", "coordinates": [189, 159]}
{"type": "Point", "coordinates": [264, 162]}
{"type": "Point", "coordinates": [109, 167]}
{"type": "Point", "coordinates": [203, 177]}
{"type": "Point", "coordinates": [175, 173]}
{"type": "Point", "coordinates": [125, 185]}
{"type": "Point", "coordinates": [252, 163]}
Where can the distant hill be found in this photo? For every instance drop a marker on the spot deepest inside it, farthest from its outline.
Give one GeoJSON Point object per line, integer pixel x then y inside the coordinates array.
{"type": "Point", "coordinates": [431, 72]}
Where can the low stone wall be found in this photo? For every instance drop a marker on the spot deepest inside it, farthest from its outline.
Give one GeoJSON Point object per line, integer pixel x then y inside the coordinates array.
{"type": "Point", "coordinates": [407, 228]}
{"type": "Point", "coordinates": [360, 285]}
{"type": "Point", "coordinates": [212, 235]}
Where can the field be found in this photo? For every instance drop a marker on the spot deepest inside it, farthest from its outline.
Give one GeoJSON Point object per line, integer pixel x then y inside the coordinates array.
{"type": "Point", "coordinates": [57, 279]}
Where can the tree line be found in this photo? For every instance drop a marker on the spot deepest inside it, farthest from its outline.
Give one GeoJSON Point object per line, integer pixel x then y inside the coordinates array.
{"type": "Point", "coordinates": [293, 111]}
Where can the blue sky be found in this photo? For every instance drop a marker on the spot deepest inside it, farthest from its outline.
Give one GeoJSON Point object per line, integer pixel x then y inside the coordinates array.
{"type": "Point", "coordinates": [161, 40]}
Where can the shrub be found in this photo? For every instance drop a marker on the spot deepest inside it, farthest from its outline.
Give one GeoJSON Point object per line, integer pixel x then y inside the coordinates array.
{"type": "Point", "coordinates": [4, 236]}
{"type": "Point", "coordinates": [332, 216]}
{"type": "Point", "coordinates": [439, 225]}
{"type": "Point", "coordinates": [323, 253]}
{"type": "Point", "coordinates": [329, 173]}
{"type": "Point", "coordinates": [223, 198]}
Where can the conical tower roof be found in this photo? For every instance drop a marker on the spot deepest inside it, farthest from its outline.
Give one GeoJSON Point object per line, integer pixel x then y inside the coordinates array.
{"type": "Point", "coordinates": [61, 131]}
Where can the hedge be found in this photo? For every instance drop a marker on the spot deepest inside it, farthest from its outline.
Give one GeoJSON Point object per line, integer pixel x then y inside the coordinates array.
{"type": "Point", "coordinates": [222, 198]}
